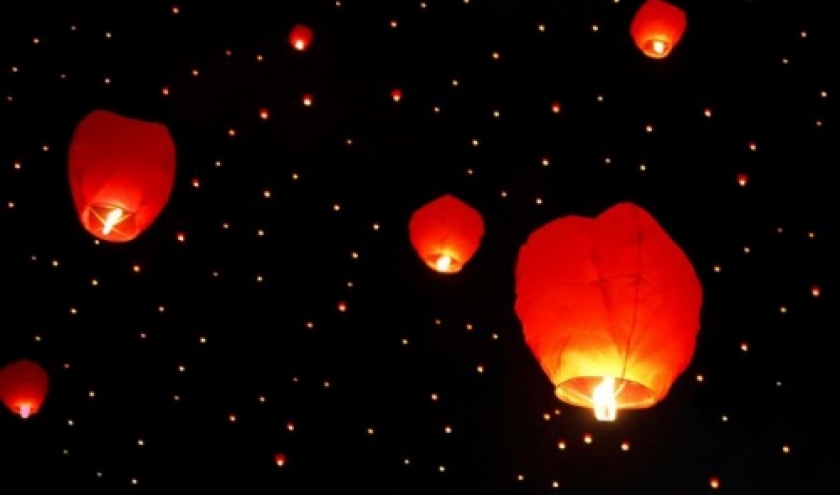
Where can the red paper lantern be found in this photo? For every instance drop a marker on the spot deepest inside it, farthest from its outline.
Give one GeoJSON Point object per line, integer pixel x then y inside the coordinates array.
{"type": "Point", "coordinates": [446, 233]}
{"type": "Point", "coordinates": [23, 387]}
{"type": "Point", "coordinates": [300, 37]}
{"type": "Point", "coordinates": [122, 172]}
{"type": "Point", "coordinates": [657, 28]}
{"type": "Point", "coordinates": [610, 307]}
{"type": "Point", "coordinates": [280, 459]}
{"type": "Point", "coordinates": [396, 94]}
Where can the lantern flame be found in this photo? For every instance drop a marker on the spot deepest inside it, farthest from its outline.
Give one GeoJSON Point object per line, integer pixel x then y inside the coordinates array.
{"type": "Point", "coordinates": [25, 410]}
{"type": "Point", "coordinates": [300, 45]}
{"type": "Point", "coordinates": [659, 47]}
{"type": "Point", "coordinates": [113, 218]}
{"type": "Point", "coordinates": [443, 263]}
{"type": "Point", "coordinates": [604, 403]}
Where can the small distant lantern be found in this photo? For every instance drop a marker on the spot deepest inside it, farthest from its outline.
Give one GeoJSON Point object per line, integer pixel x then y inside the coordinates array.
{"type": "Point", "coordinates": [446, 233]}
{"type": "Point", "coordinates": [307, 100]}
{"type": "Point", "coordinates": [23, 387]}
{"type": "Point", "coordinates": [657, 28]}
{"type": "Point", "coordinates": [122, 172]}
{"type": "Point", "coordinates": [280, 459]}
{"type": "Point", "coordinates": [555, 107]}
{"type": "Point", "coordinates": [396, 94]}
{"type": "Point", "coordinates": [610, 307]}
{"type": "Point", "coordinates": [743, 179]}
{"type": "Point", "coordinates": [300, 37]}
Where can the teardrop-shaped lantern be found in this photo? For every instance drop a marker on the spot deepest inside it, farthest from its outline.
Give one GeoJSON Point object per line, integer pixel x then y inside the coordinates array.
{"type": "Point", "coordinates": [122, 171]}
{"type": "Point", "coordinates": [610, 307]}
{"type": "Point", "coordinates": [300, 37]}
{"type": "Point", "coordinates": [23, 387]}
{"type": "Point", "coordinates": [446, 233]}
{"type": "Point", "coordinates": [657, 28]}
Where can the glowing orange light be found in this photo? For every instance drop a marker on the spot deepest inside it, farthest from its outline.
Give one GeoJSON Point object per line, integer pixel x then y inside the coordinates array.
{"type": "Point", "coordinates": [300, 37]}
{"type": "Point", "coordinates": [657, 28]}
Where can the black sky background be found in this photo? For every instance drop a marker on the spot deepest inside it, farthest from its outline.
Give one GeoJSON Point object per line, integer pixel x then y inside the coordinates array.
{"type": "Point", "coordinates": [125, 349]}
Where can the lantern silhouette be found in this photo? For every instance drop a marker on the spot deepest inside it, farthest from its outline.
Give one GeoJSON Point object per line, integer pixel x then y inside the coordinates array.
{"type": "Point", "coordinates": [122, 171]}
{"type": "Point", "coordinates": [23, 387]}
{"type": "Point", "coordinates": [300, 37]}
{"type": "Point", "coordinates": [610, 307]}
{"type": "Point", "coordinates": [657, 28]}
{"type": "Point", "coordinates": [446, 233]}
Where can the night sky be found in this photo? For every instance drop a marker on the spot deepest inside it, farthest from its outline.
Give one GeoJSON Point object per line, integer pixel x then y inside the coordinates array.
{"type": "Point", "coordinates": [276, 305]}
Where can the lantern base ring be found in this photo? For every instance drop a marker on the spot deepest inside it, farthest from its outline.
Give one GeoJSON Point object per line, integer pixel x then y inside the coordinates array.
{"type": "Point", "coordinates": [628, 394]}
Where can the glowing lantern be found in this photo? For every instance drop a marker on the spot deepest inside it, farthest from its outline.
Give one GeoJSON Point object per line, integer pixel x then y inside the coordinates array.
{"type": "Point", "coordinates": [121, 172]}
{"type": "Point", "coordinates": [396, 94]}
{"type": "Point", "coordinates": [610, 307]}
{"type": "Point", "coordinates": [300, 37]}
{"type": "Point", "coordinates": [657, 28]}
{"type": "Point", "coordinates": [23, 387]}
{"type": "Point", "coordinates": [743, 179]}
{"type": "Point", "coordinates": [446, 233]}
{"type": "Point", "coordinates": [280, 459]}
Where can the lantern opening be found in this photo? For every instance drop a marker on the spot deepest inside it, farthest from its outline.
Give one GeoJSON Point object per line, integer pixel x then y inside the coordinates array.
{"type": "Point", "coordinates": [111, 219]}
{"type": "Point", "coordinates": [300, 44]}
{"type": "Point", "coordinates": [658, 47]}
{"type": "Point", "coordinates": [25, 410]}
{"type": "Point", "coordinates": [605, 395]}
{"type": "Point", "coordinates": [444, 263]}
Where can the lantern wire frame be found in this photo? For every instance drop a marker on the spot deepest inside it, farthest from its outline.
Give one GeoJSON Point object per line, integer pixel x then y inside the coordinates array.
{"type": "Point", "coordinates": [112, 219]}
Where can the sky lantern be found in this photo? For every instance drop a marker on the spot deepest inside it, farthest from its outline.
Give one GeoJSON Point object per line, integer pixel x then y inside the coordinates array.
{"type": "Point", "coordinates": [280, 459]}
{"type": "Point", "coordinates": [610, 307]}
{"type": "Point", "coordinates": [23, 387]}
{"type": "Point", "coordinates": [300, 37]}
{"type": "Point", "coordinates": [446, 233]}
{"type": "Point", "coordinates": [122, 171]}
{"type": "Point", "coordinates": [396, 94]}
{"type": "Point", "coordinates": [657, 28]}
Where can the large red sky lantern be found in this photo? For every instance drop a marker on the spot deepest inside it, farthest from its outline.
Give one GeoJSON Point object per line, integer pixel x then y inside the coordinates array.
{"type": "Point", "coordinates": [23, 387]}
{"type": "Point", "coordinates": [122, 171]}
{"type": "Point", "coordinates": [300, 37]}
{"type": "Point", "coordinates": [446, 233]}
{"type": "Point", "coordinates": [657, 28]}
{"type": "Point", "coordinates": [610, 307]}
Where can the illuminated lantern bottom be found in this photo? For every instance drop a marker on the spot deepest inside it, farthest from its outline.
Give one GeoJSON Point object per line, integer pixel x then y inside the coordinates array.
{"type": "Point", "coordinates": [444, 262]}
{"type": "Point", "coordinates": [108, 219]}
{"type": "Point", "coordinates": [604, 394]}
{"type": "Point", "coordinates": [657, 47]}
